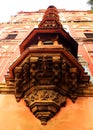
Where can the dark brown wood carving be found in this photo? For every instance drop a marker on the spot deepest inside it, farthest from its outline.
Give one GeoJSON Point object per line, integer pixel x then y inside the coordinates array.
{"type": "Point", "coordinates": [48, 73]}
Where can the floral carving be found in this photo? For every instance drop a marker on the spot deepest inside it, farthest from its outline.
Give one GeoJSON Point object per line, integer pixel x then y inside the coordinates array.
{"type": "Point", "coordinates": [44, 95]}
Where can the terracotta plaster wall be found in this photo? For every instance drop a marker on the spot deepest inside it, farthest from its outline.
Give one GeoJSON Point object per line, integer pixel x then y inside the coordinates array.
{"type": "Point", "coordinates": [16, 116]}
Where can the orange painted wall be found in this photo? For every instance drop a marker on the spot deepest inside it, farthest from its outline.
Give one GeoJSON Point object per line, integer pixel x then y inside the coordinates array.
{"type": "Point", "coordinates": [16, 116]}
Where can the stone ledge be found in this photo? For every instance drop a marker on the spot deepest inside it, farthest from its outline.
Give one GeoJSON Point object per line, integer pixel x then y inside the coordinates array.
{"type": "Point", "coordinates": [4, 89]}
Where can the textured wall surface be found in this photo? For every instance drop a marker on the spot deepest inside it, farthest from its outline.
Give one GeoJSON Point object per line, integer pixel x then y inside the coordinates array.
{"type": "Point", "coordinates": [16, 116]}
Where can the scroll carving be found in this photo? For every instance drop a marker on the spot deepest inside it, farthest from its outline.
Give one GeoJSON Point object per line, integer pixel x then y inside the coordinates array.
{"type": "Point", "coordinates": [43, 95]}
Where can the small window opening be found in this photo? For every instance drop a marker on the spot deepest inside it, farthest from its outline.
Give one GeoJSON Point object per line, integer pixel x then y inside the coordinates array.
{"type": "Point", "coordinates": [11, 36]}
{"type": "Point", "coordinates": [48, 43]}
{"type": "Point", "coordinates": [88, 35]}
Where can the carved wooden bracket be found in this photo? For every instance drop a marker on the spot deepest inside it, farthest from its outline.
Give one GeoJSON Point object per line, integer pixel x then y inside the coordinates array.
{"type": "Point", "coordinates": [46, 81]}
{"type": "Point", "coordinates": [44, 101]}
